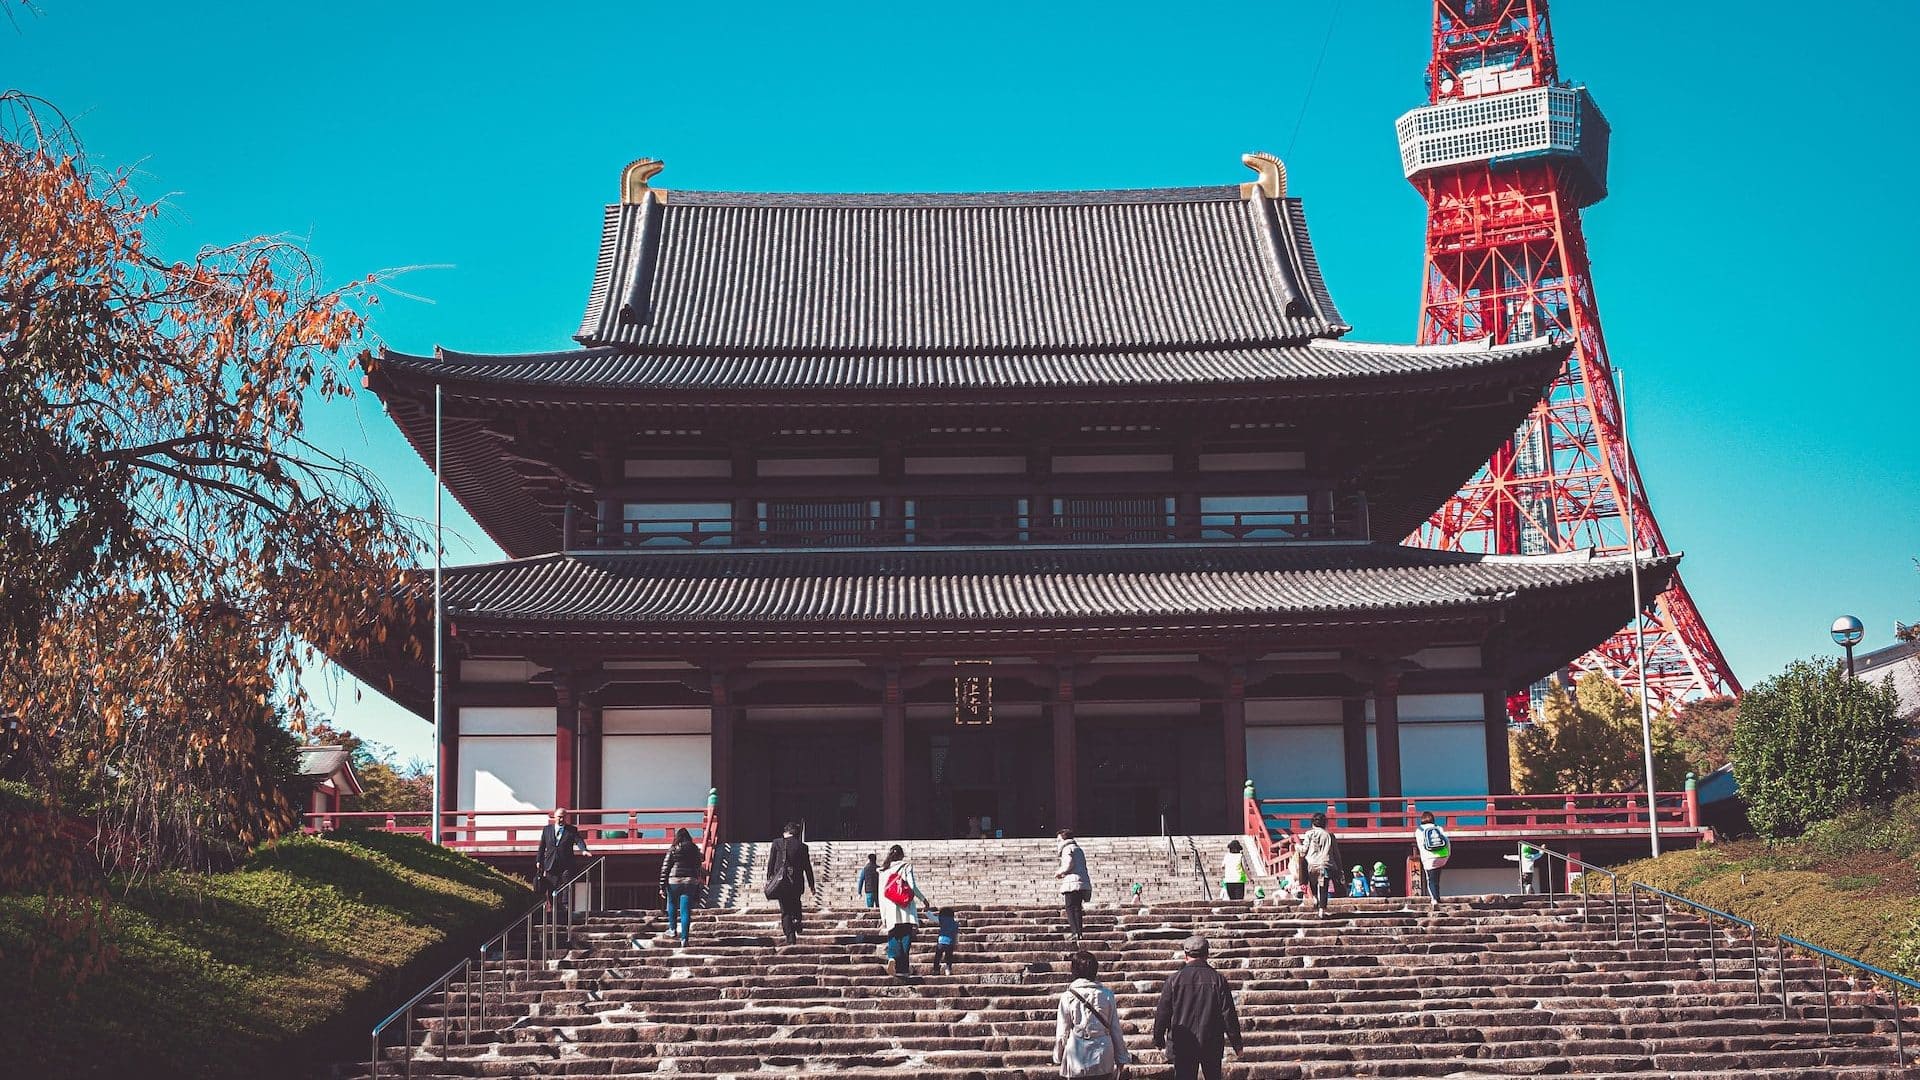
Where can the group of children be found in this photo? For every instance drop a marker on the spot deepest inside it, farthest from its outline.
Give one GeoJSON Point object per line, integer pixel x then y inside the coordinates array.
{"type": "Point", "coordinates": [1360, 883]}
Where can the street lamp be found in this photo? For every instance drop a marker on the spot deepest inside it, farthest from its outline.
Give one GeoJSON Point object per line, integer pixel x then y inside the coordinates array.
{"type": "Point", "coordinates": [1847, 633]}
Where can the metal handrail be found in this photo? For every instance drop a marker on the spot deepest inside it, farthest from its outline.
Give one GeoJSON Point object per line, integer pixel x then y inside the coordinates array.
{"type": "Point", "coordinates": [1199, 869]}
{"type": "Point", "coordinates": [476, 966]}
{"type": "Point", "coordinates": [1781, 942]}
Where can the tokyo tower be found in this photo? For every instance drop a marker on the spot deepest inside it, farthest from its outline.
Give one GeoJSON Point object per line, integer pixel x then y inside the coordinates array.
{"type": "Point", "coordinates": [1506, 156]}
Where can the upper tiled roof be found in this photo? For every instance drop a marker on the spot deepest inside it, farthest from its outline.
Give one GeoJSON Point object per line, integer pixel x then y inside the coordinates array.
{"type": "Point", "coordinates": [1022, 272]}
{"type": "Point", "coordinates": [800, 591]}
{"type": "Point", "coordinates": [1319, 361]}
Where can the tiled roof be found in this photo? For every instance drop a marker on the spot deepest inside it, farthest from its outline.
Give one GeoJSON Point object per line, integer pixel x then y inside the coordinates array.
{"type": "Point", "coordinates": [921, 589]}
{"type": "Point", "coordinates": [322, 761]}
{"type": "Point", "coordinates": [1025, 272]}
{"type": "Point", "coordinates": [1290, 367]}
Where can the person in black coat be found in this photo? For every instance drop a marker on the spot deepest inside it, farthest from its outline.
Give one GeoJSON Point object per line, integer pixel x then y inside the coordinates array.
{"type": "Point", "coordinates": [789, 876]}
{"type": "Point", "coordinates": [559, 843]}
{"type": "Point", "coordinates": [1196, 1015]}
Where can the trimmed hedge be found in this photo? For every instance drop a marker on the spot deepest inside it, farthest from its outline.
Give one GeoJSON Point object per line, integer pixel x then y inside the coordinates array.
{"type": "Point", "coordinates": [264, 971]}
{"type": "Point", "coordinates": [1850, 884]}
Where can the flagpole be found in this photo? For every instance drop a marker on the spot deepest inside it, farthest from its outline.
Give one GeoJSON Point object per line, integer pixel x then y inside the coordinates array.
{"type": "Point", "coordinates": [439, 673]}
{"type": "Point", "coordinates": [1639, 622]}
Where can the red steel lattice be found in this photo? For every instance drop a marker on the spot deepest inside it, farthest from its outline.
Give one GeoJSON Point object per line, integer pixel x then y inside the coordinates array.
{"type": "Point", "coordinates": [1506, 258]}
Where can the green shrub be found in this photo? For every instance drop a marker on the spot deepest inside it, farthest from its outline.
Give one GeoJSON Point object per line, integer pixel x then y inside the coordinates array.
{"type": "Point", "coordinates": [1812, 742]}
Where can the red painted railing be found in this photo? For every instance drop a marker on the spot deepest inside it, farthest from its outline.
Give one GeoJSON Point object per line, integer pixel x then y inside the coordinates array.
{"type": "Point", "coordinates": [1504, 817]}
{"type": "Point", "coordinates": [1254, 824]}
{"type": "Point", "coordinates": [606, 831]}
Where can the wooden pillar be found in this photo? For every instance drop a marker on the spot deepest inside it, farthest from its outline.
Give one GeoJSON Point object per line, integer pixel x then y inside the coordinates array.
{"type": "Point", "coordinates": [1353, 729]}
{"type": "Point", "coordinates": [1066, 744]}
{"type": "Point", "coordinates": [1499, 761]}
{"type": "Point", "coordinates": [720, 752]}
{"type": "Point", "coordinates": [449, 764]}
{"type": "Point", "coordinates": [591, 759]}
{"type": "Point", "coordinates": [566, 731]}
{"type": "Point", "coordinates": [1186, 504]}
{"type": "Point", "coordinates": [1233, 731]}
{"type": "Point", "coordinates": [1386, 732]}
{"type": "Point", "coordinates": [893, 757]}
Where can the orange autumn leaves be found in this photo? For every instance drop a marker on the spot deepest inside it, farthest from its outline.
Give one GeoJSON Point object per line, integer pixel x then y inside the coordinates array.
{"type": "Point", "coordinates": [173, 547]}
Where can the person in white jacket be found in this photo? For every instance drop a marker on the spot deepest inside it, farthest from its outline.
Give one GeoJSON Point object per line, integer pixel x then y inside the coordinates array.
{"type": "Point", "coordinates": [899, 917]}
{"type": "Point", "coordinates": [1076, 884]}
{"type": "Point", "coordinates": [1088, 1040]}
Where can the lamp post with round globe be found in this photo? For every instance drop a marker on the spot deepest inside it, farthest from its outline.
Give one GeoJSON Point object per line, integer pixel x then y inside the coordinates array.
{"type": "Point", "coordinates": [1847, 633]}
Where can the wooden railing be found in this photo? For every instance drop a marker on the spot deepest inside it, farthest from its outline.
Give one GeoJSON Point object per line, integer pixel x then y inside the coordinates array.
{"type": "Point", "coordinates": [976, 529]}
{"type": "Point", "coordinates": [1468, 817]}
{"type": "Point", "coordinates": [605, 830]}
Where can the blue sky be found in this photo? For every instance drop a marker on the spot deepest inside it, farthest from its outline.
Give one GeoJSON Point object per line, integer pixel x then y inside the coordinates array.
{"type": "Point", "coordinates": [1752, 262]}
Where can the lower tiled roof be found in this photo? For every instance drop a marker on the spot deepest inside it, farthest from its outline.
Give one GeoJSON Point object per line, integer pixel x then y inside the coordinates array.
{"type": "Point", "coordinates": [1316, 362]}
{"type": "Point", "coordinates": [647, 591]}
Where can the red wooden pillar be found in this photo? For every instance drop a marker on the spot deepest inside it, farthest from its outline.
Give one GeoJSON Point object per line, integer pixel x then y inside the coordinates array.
{"type": "Point", "coordinates": [1066, 744]}
{"type": "Point", "coordinates": [566, 732]}
{"type": "Point", "coordinates": [893, 757]}
{"type": "Point", "coordinates": [1386, 732]}
{"type": "Point", "coordinates": [720, 753]}
{"type": "Point", "coordinates": [591, 766]}
{"type": "Point", "coordinates": [449, 764]}
{"type": "Point", "coordinates": [1233, 729]}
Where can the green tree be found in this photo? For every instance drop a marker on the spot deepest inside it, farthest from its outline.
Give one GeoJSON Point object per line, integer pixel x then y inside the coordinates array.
{"type": "Point", "coordinates": [1813, 741]}
{"type": "Point", "coordinates": [1704, 730]}
{"type": "Point", "coordinates": [1589, 740]}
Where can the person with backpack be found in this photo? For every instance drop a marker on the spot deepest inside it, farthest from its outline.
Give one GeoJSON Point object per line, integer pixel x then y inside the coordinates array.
{"type": "Point", "coordinates": [790, 876]}
{"type": "Point", "coordinates": [898, 913]}
{"type": "Point", "coordinates": [868, 885]}
{"type": "Point", "coordinates": [1430, 840]}
{"type": "Point", "coordinates": [1087, 1038]}
{"type": "Point", "coordinates": [1321, 854]}
{"type": "Point", "coordinates": [1076, 885]}
{"type": "Point", "coordinates": [680, 874]}
{"type": "Point", "coordinates": [1233, 872]}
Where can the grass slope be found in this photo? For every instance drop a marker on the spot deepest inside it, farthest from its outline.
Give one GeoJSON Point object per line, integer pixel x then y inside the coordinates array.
{"type": "Point", "coordinates": [1851, 884]}
{"type": "Point", "coordinates": [259, 972]}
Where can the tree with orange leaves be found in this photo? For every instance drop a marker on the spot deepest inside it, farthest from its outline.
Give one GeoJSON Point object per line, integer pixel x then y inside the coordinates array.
{"type": "Point", "coordinates": [173, 548]}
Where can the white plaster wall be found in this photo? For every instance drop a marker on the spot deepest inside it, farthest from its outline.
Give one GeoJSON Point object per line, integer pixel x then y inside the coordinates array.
{"type": "Point", "coordinates": [1443, 759]}
{"type": "Point", "coordinates": [642, 772]}
{"type": "Point", "coordinates": [1297, 761]}
{"type": "Point", "coordinates": [508, 720]}
{"type": "Point", "coordinates": [507, 773]}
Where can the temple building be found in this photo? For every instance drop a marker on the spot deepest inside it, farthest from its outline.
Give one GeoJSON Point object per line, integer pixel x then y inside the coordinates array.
{"type": "Point", "coordinates": [910, 514]}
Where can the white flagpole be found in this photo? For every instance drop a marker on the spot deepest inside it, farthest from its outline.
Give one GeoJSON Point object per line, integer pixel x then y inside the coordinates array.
{"type": "Point", "coordinates": [1639, 622]}
{"type": "Point", "coordinates": [439, 674]}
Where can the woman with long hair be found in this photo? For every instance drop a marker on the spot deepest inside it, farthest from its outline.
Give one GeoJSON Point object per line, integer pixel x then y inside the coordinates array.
{"type": "Point", "coordinates": [680, 875]}
{"type": "Point", "coordinates": [899, 912]}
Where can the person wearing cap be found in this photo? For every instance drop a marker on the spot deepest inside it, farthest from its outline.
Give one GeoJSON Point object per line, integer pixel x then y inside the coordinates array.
{"type": "Point", "coordinates": [1380, 883]}
{"type": "Point", "coordinates": [1195, 1020]}
{"type": "Point", "coordinates": [1357, 884]}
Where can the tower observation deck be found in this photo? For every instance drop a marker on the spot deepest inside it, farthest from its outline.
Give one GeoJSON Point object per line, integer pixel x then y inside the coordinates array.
{"type": "Point", "coordinates": [1506, 156]}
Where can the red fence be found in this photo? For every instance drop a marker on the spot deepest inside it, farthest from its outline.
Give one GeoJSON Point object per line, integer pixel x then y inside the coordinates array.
{"type": "Point", "coordinates": [505, 832]}
{"type": "Point", "coordinates": [1469, 817]}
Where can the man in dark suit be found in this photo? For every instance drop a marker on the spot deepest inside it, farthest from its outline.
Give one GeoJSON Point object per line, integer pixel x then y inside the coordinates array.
{"type": "Point", "coordinates": [1196, 1015]}
{"type": "Point", "coordinates": [559, 843]}
{"type": "Point", "coordinates": [789, 873]}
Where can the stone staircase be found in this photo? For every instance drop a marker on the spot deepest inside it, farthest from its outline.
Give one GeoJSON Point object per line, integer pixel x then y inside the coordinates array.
{"type": "Point", "coordinates": [998, 872]}
{"type": "Point", "coordinates": [1490, 987]}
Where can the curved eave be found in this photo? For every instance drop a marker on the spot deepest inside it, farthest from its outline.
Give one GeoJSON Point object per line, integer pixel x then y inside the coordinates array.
{"type": "Point", "coordinates": [721, 381]}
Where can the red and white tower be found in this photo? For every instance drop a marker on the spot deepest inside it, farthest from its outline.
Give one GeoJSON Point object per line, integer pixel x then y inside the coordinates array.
{"type": "Point", "coordinates": [1506, 156]}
